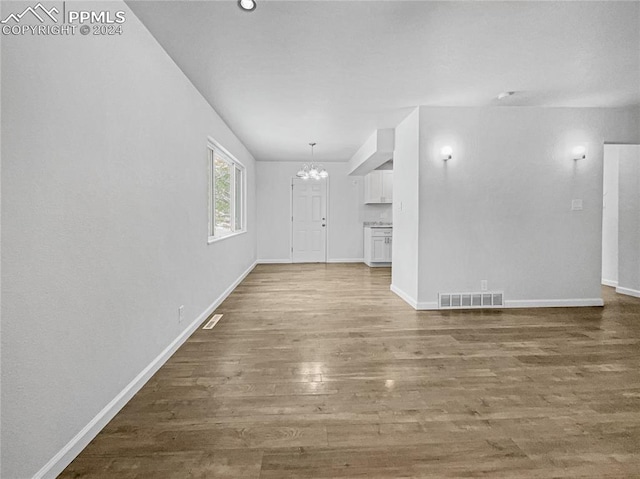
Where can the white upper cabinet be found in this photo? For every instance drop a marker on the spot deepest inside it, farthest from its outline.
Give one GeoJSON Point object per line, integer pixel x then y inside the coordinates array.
{"type": "Point", "coordinates": [378, 187]}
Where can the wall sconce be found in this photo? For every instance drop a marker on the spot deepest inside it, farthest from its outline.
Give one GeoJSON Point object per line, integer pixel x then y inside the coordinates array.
{"type": "Point", "coordinates": [579, 153]}
{"type": "Point", "coordinates": [446, 153]}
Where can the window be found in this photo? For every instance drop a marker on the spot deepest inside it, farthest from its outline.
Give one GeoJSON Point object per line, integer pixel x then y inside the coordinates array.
{"type": "Point", "coordinates": [226, 194]}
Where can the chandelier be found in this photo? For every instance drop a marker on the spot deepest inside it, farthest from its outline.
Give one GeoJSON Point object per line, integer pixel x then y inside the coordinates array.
{"type": "Point", "coordinates": [311, 170]}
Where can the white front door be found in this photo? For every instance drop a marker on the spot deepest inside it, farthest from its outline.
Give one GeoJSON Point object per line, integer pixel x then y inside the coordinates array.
{"type": "Point", "coordinates": [309, 215]}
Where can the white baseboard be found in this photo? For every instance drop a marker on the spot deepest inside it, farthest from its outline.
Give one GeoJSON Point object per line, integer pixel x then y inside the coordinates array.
{"type": "Point", "coordinates": [427, 306]}
{"type": "Point", "coordinates": [608, 282]}
{"type": "Point", "coordinates": [553, 303]}
{"type": "Point", "coordinates": [69, 452]}
{"type": "Point", "coordinates": [420, 306]}
{"type": "Point", "coordinates": [542, 303]}
{"type": "Point", "coordinates": [628, 291]}
{"type": "Point", "coordinates": [332, 260]}
{"type": "Point", "coordinates": [408, 299]}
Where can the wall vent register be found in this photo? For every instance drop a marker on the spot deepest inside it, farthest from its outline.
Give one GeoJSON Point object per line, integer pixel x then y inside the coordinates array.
{"type": "Point", "coordinates": [484, 299]}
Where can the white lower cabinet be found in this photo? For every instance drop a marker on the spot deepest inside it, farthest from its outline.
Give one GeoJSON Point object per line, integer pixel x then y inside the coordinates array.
{"type": "Point", "coordinates": [378, 246]}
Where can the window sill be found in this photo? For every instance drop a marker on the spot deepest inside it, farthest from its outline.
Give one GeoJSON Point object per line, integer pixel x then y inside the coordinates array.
{"type": "Point", "coordinates": [215, 239]}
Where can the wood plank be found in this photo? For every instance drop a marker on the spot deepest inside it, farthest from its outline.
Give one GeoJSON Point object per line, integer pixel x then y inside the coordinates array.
{"type": "Point", "coordinates": [319, 371]}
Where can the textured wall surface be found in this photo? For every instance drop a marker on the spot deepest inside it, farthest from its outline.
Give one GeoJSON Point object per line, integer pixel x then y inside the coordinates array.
{"type": "Point", "coordinates": [104, 226]}
{"type": "Point", "coordinates": [346, 211]}
{"type": "Point", "coordinates": [501, 208]}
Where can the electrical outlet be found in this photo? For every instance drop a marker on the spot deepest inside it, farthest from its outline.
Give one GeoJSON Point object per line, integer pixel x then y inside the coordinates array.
{"type": "Point", "coordinates": [180, 313]}
{"type": "Point", "coordinates": [484, 285]}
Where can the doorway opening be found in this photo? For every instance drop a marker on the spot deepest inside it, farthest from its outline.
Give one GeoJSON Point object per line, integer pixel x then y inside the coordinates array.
{"type": "Point", "coordinates": [621, 218]}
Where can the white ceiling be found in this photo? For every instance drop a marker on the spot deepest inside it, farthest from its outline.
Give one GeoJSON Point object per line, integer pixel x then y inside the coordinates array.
{"type": "Point", "coordinates": [292, 72]}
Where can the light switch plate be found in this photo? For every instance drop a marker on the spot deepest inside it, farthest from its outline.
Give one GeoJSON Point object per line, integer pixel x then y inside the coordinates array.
{"type": "Point", "coordinates": [576, 205]}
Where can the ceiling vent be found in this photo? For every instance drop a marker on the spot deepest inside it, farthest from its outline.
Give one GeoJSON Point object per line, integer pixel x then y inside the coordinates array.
{"type": "Point", "coordinates": [484, 299]}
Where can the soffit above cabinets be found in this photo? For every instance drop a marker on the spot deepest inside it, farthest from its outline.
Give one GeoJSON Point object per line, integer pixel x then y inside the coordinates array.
{"type": "Point", "coordinates": [375, 152]}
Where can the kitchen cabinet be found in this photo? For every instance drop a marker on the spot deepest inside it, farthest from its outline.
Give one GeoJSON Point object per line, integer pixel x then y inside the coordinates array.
{"type": "Point", "coordinates": [378, 187]}
{"type": "Point", "coordinates": [378, 243]}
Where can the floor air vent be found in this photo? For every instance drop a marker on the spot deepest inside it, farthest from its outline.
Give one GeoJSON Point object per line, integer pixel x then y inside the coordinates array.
{"type": "Point", "coordinates": [484, 299]}
{"type": "Point", "coordinates": [212, 322]}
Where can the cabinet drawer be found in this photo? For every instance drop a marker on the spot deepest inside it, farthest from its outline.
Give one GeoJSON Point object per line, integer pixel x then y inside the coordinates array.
{"type": "Point", "coordinates": [381, 232]}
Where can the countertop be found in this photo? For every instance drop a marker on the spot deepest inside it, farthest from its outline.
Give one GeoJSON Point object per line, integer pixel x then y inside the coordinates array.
{"type": "Point", "coordinates": [377, 224]}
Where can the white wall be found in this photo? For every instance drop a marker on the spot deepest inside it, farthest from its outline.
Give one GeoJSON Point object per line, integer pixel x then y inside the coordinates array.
{"type": "Point", "coordinates": [610, 216]}
{"type": "Point", "coordinates": [377, 212]}
{"type": "Point", "coordinates": [404, 273]}
{"type": "Point", "coordinates": [629, 220]}
{"type": "Point", "coordinates": [0, 261]}
{"type": "Point", "coordinates": [273, 193]}
{"type": "Point", "coordinates": [346, 212]}
{"type": "Point", "coordinates": [104, 226]}
{"type": "Point", "coordinates": [500, 209]}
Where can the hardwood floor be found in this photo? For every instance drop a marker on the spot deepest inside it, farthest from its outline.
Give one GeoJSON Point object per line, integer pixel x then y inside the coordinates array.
{"type": "Point", "coordinates": [319, 371]}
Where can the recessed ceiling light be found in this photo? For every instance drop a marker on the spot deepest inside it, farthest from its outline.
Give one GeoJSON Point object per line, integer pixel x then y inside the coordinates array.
{"type": "Point", "coordinates": [505, 94]}
{"type": "Point", "coordinates": [247, 5]}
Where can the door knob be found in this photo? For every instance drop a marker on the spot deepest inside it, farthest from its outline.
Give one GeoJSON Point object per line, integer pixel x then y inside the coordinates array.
{"type": "Point", "coordinates": [323, 224]}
